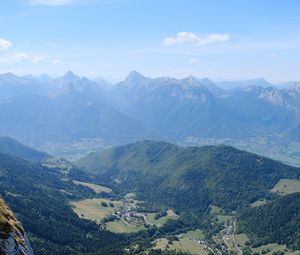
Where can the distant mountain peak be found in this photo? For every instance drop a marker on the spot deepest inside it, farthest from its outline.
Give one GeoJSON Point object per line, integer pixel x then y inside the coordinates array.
{"type": "Point", "coordinates": [206, 79]}
{"type": "Point", "coordinates": [70, 77]}
{"type": "Point", "coordinates": [99, 79]}
{"type": "Point", "coordinates": [203, 83]}
{"type": "Point", "coordinates": [297, 85]}
{"type": "Point", "coordinates": [102, 82]}
{"type": "Point", "coordinates": [295, 88]}
{"type": "Point", "coordinates": [242, 84]}
{"type": "Point", "coordinates": [193, 79]}
{"type": "Point", "coordinates": [9, 75]}
{"type": "Point", "coordinates": [11, 78]}
{"type": "Point", "coordinates": [134, 76]}
{"type": "Point", "coordinates": [70, 74]}
{"type": "Point", "coordinates": [45, 76]}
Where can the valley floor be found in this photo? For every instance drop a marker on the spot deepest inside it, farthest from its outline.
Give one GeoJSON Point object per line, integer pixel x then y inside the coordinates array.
{"type": "Point", "coordinates": [123, 216]}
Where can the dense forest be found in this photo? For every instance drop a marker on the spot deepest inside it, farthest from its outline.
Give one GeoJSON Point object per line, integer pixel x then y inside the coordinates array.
{"type": "Point", "coordinates": [35, 194]}
{"type": "Point", "coordinates": [275, 222]}
{"type": "Point", "coordinates": [188, 178]}
{"type": "Point", "coordinates": [40, 197]}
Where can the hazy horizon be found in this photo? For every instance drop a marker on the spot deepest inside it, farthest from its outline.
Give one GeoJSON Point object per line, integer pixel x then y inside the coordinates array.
{"type": "Point", "coordinates": [102, 76]}
{"type": "Point", "coordinates": [149, 127]}
{"type": "Point", "coordinates": [229, 40]}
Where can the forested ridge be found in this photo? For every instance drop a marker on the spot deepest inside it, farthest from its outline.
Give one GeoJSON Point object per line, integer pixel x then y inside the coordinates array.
{"type": "Point", "coordinates": [275, 222]}
{"type": "Point", "coordinates": [188, 177]}
{"type": "Point", "coordinates": [40, 198]}
{"type": "Point", "coordinates": [12, 147]}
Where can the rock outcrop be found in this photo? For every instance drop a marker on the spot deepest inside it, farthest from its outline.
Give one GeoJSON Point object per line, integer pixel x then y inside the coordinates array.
{"type": "Point", "coordinates": [13, 240]}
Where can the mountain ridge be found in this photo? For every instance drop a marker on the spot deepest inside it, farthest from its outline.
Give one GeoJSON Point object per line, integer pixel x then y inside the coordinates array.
{"type": "Point", "coordinates": [12, 147]}
{"type": "Point", "coordinates": [276, 222]}
{"type": "Point", "coordinates": [199, 174]}
{"type": "Point", "coordinates": [186, 111]}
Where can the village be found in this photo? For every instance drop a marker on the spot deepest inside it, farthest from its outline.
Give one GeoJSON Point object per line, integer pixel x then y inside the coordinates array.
{"type": "Point", "coordinates": [128, 214]}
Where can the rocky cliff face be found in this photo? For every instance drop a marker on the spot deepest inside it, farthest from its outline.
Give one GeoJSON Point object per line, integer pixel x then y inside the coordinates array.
{"type": "Point", "coordinates": [13, 240]}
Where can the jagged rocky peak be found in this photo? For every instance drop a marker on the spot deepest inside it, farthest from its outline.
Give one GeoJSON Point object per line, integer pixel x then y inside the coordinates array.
{"type": "Point", "coordinates": [9, 78]}
{"type": "Point", "coordinates": [295, 88]}
{"type": "Point", "coordinates": [45, 78]}
{"type": "Point", "coordinates": [134, 76]}
{"type": "Point", "coordinates": [197, 82]}
{"type": "Point", "coordinates": [193, 81]}
{"type": "Point", "coordinates": [9, 75]}
{"type": "Point", "coordinates": [70, 77]}
{"type": "Point", "coordinates": [273, 96]}
{"type": "Point", "coordinates": [13, 240]}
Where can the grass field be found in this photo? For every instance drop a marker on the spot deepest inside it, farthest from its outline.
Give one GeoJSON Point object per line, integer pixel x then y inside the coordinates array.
{"type": "Point", "coordinates": [215, 209]}
{"type": "Point", "coordinates": [184, 244]}
{"type": "Point", "coordinates": [259, 203]}
{"type": "Point", "coordinates": [241, 239]}
{"type": "Point", "coordinates": [197, 234]}
{"type": "Point", "coordinates": [120, 227]}
{"type": "Point", "coordinates": [229, 241]}
{"type": "Point", "coordinates": [223, 218]}
{"type": "Point", "coordinates": [218, 212]}
{"type": "Point", "coordinates": [91, 209]}
{"type": "Point", "coordinates": [95, 187]}
{"type": "Point", "coordinates": [286, 186]}
{"type": "Point", "coordinates": [270, 248]}
{"type": "Point", "coordinates": [159, 222]}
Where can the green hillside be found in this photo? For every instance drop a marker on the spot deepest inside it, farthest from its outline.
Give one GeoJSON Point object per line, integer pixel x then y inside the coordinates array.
{"type": "Point", "coordinates": [275, 222]}
{"type": "Point", "coordinates": [188, 177]}
{"type": "Point", "coordinates": [39, 196]}
{"type": "Point", "coordinates": [12, 147]}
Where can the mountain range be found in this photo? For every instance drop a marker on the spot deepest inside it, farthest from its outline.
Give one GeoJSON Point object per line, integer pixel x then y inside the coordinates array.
{"type": "Point", "coordinates": [190, 180]}
{"type": "Point", "coordinates": [76, 111]}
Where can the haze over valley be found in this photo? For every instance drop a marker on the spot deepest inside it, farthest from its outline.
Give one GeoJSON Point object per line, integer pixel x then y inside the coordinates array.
{"type": "Point", "coordinates": [77, 115]}
{"type": "Point", "coordinates": [138, 127]}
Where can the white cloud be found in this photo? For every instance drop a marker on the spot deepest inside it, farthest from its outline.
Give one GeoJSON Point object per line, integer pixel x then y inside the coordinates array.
{"type": "Point", "coordinates": [184, 37]}
{"type": "Point", "coordinates": [23, 56]}
{"type": "Point", "coordinates": [37, 59]}
{"type": "Point", "coordinates": [272, 55]}
{"type": "Point", "coordinates": [193, 61]}
{"type": "Point", "coordinates": [5, 44]}
{"type": "Point", "coordinates": [51, 2]}
{"type": "Point", "coordinates": [56, 61]}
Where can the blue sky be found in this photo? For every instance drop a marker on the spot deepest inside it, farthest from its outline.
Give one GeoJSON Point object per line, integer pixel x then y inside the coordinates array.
{"type": "Point", "coordinates": [220, 39]}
